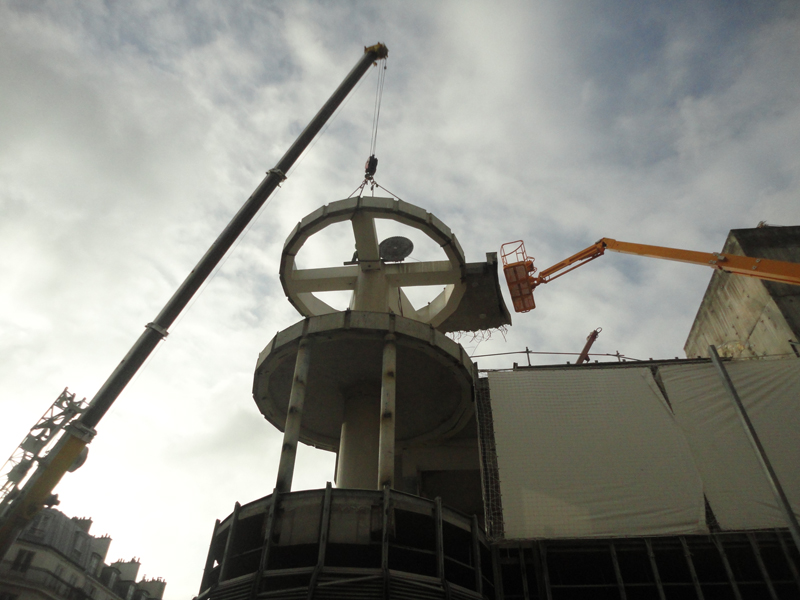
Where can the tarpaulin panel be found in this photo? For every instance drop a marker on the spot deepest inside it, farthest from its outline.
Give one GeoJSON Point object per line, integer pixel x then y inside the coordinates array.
{"type": "Point", "coordinates": [591, 453]}
{"type": "Point", "coordinates": [735, 484]}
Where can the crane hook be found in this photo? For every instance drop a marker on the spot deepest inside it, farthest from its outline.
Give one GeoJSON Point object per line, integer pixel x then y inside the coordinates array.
{"type": "Point", "coordinates": [370, 167]}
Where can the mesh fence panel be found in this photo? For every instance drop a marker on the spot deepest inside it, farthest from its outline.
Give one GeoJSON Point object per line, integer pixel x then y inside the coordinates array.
{"type": "Point", "coordinates": [493, 505]}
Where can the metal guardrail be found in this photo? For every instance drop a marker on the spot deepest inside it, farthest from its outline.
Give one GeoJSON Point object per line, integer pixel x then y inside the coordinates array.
{"type": "Point", "coordinates": [347, 543]}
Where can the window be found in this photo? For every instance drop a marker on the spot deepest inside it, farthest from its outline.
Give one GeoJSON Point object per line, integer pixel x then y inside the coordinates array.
{"type": "Point", "coordinates": [78, 544]}
{"type": "Point", "coordinates": [39, 526]}
{"type": "Point", "coordinates": [131, 589]}
{"type": "Point", "coordinates": [22, 561]}
{"type": "Point", "coordinates": [59, 572]}
{"type": "Point", "coordinates": [94, 562]}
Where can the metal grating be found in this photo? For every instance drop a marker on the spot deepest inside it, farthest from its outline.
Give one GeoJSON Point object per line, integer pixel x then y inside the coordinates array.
{"type": "Point", "coordinates": [722, 566]}
{"type": "Point", "coordinates": [340, 544]}
{"type": "Point", "coordinates": [238, 591]}
{"type": "Point", "coordinates": [492, 501]}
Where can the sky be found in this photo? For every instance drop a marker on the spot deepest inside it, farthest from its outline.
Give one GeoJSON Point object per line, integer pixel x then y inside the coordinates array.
{"type": "Point", "coordinates": [131, 132]}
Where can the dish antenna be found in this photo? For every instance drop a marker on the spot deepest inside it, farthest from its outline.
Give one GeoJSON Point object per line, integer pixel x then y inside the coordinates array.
{"type": "Point", "coordinates": [395, 249]}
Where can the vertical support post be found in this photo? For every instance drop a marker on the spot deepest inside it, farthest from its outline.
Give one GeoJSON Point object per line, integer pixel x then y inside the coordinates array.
{"type": "Point", "coordinates": [385, 541]}
{"type": "Point", "coordinates": [545, 571]}
{"type": "Point", "coordinates": [225, 565]}
{"type": "Point", "coordinates": [497, 569]}
{"type": "Point", "coordinates": [388, 395]}
{"type": "Point", "coordinates": [269, 528]}
{"type": "Point", "coordinates": [294, 416]}
{"type": "Point", "coordinates": [523, 573]}
{"type": "Point", "coordinates": [617, 572]}
{"type": "Point", "coordinates": [205, 584]}
{"type": "Point", "coordinates": [542, 580]}
{"type": "Point", "coordinates": [761, 566]}
{"type": "Point", "coordinates": [651, 555]}
{"type": "Point", "coordinates": [788, 556]}
{"type": "Point", "coordinates": [726, 563]}
{"type": "Point", "coordinates": [752, 436]}
{"type": "Point", "coordinates": [324, 526]}
{"type": "Point", "coordinates": [440, 548]}
{"type": "Point", "coordinates": [698, 590]}
{"type": "Point", "coordinates": [476, 556]}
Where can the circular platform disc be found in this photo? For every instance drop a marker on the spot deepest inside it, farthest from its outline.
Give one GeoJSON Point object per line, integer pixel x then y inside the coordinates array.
{"type": "Point", "coordinates": [434, 376]}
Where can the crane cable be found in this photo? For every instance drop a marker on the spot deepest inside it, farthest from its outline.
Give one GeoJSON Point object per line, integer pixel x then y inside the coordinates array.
{"type": "Point", "coordinates": [372, 161]}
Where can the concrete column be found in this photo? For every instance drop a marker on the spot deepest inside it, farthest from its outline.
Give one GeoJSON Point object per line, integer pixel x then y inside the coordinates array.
{"type": "Point", "coordinates": [371, 292]}
{"type": "Point", "coordinates": [294, 416]}
{"type": "Point", "coordinates": [388, 389]}
{"type": "Point", "coordinates": [358, 446]}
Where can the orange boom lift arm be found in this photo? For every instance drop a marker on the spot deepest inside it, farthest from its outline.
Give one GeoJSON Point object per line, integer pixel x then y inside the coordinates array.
{"type": "Point", "coordinates": [522, 279]}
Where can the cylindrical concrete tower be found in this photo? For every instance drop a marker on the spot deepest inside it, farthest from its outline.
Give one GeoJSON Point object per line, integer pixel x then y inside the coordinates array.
{"type": "Point", "coordinates": [378, 374]}
{"type": "Point", "coordinates": [344, 390]}
{"type": "Point", "coordinates": [387, 391]}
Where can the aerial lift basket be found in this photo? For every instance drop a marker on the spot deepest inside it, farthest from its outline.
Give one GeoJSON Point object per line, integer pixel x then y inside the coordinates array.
{"type": "Point", "coordinates": [518, 268]}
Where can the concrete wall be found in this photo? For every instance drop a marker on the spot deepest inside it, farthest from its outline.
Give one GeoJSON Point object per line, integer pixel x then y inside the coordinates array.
{"type": "Point", "coordinates": [744, 316]}
{"type": "Point", "coordinates": [448, 469]}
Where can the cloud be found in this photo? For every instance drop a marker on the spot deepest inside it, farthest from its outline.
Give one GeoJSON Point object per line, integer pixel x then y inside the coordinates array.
{"type": "Point", "coordinates": [131, 133]}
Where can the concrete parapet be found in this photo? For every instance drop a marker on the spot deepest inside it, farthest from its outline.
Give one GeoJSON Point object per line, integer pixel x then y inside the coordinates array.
{"type": "Point", "coordinates": [349, 543]}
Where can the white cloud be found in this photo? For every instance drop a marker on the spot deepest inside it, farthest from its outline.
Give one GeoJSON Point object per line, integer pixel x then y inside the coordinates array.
{"type": "Point", "coordinates": [130, 134]}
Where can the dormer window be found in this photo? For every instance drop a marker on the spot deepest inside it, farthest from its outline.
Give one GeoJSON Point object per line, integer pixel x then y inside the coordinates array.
{"type": "Point", "coordinates": [78, 544]}
{"type": "Point", "coordinates": [94, 562]}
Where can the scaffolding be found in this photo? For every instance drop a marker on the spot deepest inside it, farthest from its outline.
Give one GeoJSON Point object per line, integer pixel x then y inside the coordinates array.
{"type": "Point", "coordinates": [37, 444]}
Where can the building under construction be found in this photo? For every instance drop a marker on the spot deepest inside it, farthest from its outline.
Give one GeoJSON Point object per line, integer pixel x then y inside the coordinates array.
{"type": "Point", "coordinates": [614, 480]}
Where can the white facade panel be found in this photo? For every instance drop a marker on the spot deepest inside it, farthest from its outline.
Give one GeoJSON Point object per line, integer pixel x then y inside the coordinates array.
{"type": "Point", "coordinates": [591, 453]}
{"type": "Point", "coordinates": [734, 481]}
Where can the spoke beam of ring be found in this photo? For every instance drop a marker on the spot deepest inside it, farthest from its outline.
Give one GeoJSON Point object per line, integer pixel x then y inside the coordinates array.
{"type": "Point", "coordinates": [366, 238]}
{"type": "Point", "coordinates": [329, 279]}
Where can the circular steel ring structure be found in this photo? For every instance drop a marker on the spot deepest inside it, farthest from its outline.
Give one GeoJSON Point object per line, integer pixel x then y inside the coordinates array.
{"type": "Point", "coordinates": [300, 284]}
{"type": "Point", "coordinates": [434, 376]}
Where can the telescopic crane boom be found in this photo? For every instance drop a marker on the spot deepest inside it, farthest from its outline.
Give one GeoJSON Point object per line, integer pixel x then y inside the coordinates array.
{"type": "Point", "coordinates": [522, 279]}
{"type": "Point", "coordinates": [17, 509]}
